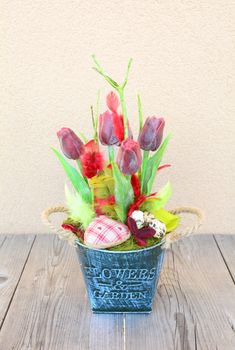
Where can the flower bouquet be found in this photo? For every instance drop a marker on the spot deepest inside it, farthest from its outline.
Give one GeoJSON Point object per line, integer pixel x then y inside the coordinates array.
{"type": "Point", "coordinates": [116, 221]}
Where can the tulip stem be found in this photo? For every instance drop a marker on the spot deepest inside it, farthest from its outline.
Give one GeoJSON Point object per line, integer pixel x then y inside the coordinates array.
{"type": "Point", "coordinates": [97, 115]}
{"type": "Point", "coordinates": [124, 113]}
{"type": "Point", "coordinates": [140, 113]}
{"type": "Point", "coordinates": [143, 169]}
{"type": "Point", "coordinates": [94, 125]}
{"type": "Point", "coordinates": [111, 154]}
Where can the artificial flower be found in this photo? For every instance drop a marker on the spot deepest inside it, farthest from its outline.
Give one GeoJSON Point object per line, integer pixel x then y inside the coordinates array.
{"type": "Point", "coordinates": [70, 143]}
{"type": "Point", "coordinates": [141, 234]}
{"type": "Point", "coordinates": [129, 157]}
{"type": "Point", "coordinates": [110, 129]}
{"type": "Point", "coordinates": [111, 124]}
{"type": "Point", "coordinates": [151, 134]}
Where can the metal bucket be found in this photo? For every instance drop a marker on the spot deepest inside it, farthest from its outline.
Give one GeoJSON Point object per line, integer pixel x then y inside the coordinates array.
{"type": "Point", "coordinates": [121, 281]}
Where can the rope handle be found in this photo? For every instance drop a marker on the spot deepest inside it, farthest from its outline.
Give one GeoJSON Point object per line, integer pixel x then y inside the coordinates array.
{"type": "Point", "coordinates": [170, 237]}
{"type": "Point", "coordinates": [181, 232]}
{"type": "Point", "coordinates": [62, 233]}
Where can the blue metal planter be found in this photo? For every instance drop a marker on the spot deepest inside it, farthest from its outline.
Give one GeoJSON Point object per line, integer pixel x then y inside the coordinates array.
{"type": "Point", "coordinates": [121, 281]}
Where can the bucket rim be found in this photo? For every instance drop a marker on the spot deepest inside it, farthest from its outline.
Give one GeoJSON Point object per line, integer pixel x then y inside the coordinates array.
{"type": "Point", "coordinates": [78, 243]}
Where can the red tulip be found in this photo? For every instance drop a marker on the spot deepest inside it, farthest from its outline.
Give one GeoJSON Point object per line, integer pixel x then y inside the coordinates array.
{"type": "Point", "coordinates": [70, 143]}
{"type": "Point", "coordinates": [129, 157]}
{"type": "Point", "coordinates": [111, 125]}
{"type": "Point", "coordinates": [92, 160]}
{"type": "Point", "coordinates": [150, 136]}
{"type": "Point", "coordinates": [111, 130]}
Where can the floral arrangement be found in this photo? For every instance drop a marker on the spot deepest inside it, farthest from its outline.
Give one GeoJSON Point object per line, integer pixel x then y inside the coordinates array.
{"type": "Point", "coordinates": [112, 205]}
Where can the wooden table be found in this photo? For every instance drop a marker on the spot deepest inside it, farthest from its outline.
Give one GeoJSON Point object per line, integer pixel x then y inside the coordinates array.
{"type": "Point", "coordinates": [43, 302]}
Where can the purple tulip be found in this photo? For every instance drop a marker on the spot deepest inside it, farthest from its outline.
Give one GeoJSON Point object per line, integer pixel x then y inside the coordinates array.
{"type": "Point", "coordinates": [150, 136]}
{"type": "Point", "coordinates": [70, 143]}
{"type": "Point", "coordinates": [129, 157]}
{"type": "Point", "coordinates": [108, 134]}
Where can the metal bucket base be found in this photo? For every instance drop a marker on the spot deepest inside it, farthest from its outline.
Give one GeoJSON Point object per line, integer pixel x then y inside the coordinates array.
{"type": "Point", "coordinates": [121, 282]}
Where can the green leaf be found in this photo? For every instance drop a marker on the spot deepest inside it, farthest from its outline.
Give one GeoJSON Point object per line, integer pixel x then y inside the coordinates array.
{"type": "Point", "coordinates": [124, 195]}
{"type": "Point", "coordinates": [152, 166]}
{"type": "Point", "coordinates": [77, 180]}
{"type": "Point", "coordinates": [101, 71]}
{"type": "Point", "coordinates": [97, 110]}
{"type": "Point", "coordinates": [153, 204]}
{"type": "Point", "coordinates": [127, 73]}
{"type": "Point", "coordinates": [112, 82]}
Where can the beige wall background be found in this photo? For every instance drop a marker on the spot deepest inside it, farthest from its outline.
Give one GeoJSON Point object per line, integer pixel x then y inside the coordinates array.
{"type": "Point", "coordinates": [183, 68]}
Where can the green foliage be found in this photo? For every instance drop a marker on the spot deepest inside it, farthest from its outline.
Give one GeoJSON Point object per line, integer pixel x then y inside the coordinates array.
{"type": "Point", "coordinates": [130, 244]}
{"type": "Point", "coordinates": [75, 222]}
{"type": "Point", "coordinates": [123, 191]}
{"type": "Point", "coordinates": [77, 179]}
{"type": "Point", "coordinates": [152, 166]}
{"type": "Point", "coordinates": [101, 71]}
{"type": "Point", "coordinates": [79, 210]}
{"type": "Point", "coordinates": [153, 204]}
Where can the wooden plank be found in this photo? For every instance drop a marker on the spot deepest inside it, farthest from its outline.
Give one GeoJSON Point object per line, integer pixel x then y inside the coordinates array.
{"type": "Point", "coordinates": [226, 245]}
{"type": "Point", "coordinates": [50, 309]}
{"type": "Point", "coordinates": [195, 306]}
{"type": "Point", "coordinates": [14, 251]}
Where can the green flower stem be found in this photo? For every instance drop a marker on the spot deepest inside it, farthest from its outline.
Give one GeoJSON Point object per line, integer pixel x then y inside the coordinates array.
{"type": "Point", "coordinates": [140, 113]}
{"type": "Point", "coordinates": [97, 116]}
{"type": "Point", "coordinates": [95, 137]}
{"type": "Point", "coordinates": [111, 154]}
{"type": "Point", "coordinates": [140, 127]}
{"type": "Point", "coordinates": [143, 170]}
{"type": "Point", "coordinates": [124, 113]}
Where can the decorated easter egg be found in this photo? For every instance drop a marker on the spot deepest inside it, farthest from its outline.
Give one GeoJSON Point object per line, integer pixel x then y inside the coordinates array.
{"type": "Point", "coordinates": [159, 227]}
{"type": "Point", "coordinates": [104, 232]}
{"type": "Point", "coordinates": [148, 217]}
{"type": "Point", "coordinates": [138, 216]}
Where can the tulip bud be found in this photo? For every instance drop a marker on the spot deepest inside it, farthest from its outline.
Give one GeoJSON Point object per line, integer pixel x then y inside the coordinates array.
{"type": "Point", "coordinates": [107, 133]}
{"type": "Point", "coordinates": [129, 157]}
{"type": "Point", "coordinates": [150, 136]}
{"type": "Point", "coordinates": [112, 101]}
{"type": "Point", "coordinates": [70, 143]}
